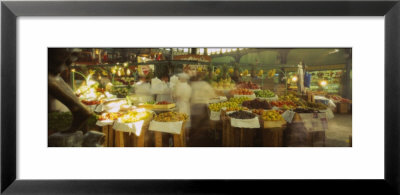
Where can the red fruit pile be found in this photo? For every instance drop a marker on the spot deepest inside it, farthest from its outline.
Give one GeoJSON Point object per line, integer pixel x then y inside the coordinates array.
{"type": "Point", "coordinates": [248, 85]}
{"type": "Point", "coordinates": [337, 98]}
{"type": "Point", "coordinates": [163, 103]}
{"type": "Point", "coordinates": [242, 92]}
{"type": "Point", "coordinates": [282, 103]}
{"type": "Point", "coordinates": [92, 102]}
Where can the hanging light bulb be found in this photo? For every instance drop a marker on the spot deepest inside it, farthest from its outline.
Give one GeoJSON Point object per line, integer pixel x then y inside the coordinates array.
{"type": "Point", "coordinates": [323, 83]}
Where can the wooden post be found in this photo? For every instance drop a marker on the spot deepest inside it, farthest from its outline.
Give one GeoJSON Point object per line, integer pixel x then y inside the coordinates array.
{"type": "Point", "coordinates": [119, 139]}
{"type": "Point", "coordinates": [350, 141]}
{"type": "Point", "coordinates": [104, 129]}
{"type": "Point", "coordinates": [110, 136]}
{"type": "Point", "coordinates": [140, 141]}
{"type": "Point", "coordinates": [236, 139]}
{"type": "Point", "coordinates": [158, 139]}
{"type": "Point", "coordinates": [177, 140]}
{"type": "Point", "coordinates": [242, 138]}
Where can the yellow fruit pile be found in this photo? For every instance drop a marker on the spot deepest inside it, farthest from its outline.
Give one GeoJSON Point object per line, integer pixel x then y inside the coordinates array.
{"type": "Point", "coordinates": [171, 117]}
{"type": "Point", "coordinates": [134, 116]}
{"type": "Point", "coordinates": [271, 115]}
{"type": "Point", "coordinates": [239, 100]}
{"type": "Point", "coordinates": [230, 106]}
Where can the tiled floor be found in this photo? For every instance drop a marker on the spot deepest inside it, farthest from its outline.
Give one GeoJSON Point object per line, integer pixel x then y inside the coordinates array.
{"type": "Point", "coordinates": [339, 130]}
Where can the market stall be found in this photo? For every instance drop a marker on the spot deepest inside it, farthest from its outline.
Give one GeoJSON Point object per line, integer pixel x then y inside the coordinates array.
{"type": "Point", "coordinates": [134, 103]}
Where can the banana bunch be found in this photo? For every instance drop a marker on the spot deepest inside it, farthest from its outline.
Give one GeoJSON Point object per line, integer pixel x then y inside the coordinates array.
{"type": "Point", "coordinates": [245, 72]}
{"type": "Point", "coordinates": [271, 73]}
{"type": "Point", "coordinates": [260, 73]}
{"type": "Point", "coordinates": [217, 71]}
{"type": "Point", "coordinates": [230, 70]}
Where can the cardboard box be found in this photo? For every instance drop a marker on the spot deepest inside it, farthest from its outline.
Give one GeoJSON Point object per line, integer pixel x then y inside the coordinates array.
{"type": "Point", "coordinates": [343, 108]}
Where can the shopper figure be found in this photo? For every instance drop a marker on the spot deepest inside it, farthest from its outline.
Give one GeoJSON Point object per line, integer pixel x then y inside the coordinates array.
{"type": "Point", "coordinates": [143, 90]}
{"type": "Point", "coordinates": [182, 93]}
{"type": "Point", "coordinates": [165, 93]}
{"type": "Point", "coordinates": [202, 92]}
{"type": "Point", "coordinates": [60, 60]}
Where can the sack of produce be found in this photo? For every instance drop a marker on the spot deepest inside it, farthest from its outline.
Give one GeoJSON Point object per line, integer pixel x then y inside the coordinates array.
{"type": "Point", "coordinates": [132, 121]}
{"type": "Point", "coordinates": [244, 119]}
{"type": "Point", "coordinates": [168, 122]}
{"type": "Point", "coordinates": [215, 116]}
{"type": "Point", "coordinates": [257, 104]}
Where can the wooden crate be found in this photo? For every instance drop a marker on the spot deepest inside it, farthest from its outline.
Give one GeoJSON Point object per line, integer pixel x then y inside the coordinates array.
{"type": "Point", "coordinates": [272, 137]}
{"type": "Point", "coordinates": [179, 139]}
{"type": "Point", "coordinates": [148, 106]}
{"type": "Point", "coordinates": [126, 139]}
{"type": "Point", "coordinates": [109, 135]}
{"type": "Point", "coordinates": [273, 124]}
{"type": "Point", "coordinates": [236, 137]}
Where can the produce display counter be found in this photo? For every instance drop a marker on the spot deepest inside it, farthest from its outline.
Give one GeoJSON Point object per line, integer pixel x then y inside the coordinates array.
{"type": "Point", "coordinates": [234, 136]}
{"type": "Point", "coordinates": [175, 129]}
{"type": "Point", "coordinates": [273, 133]}
{"type": "Point", "coordinates": [125, 135]}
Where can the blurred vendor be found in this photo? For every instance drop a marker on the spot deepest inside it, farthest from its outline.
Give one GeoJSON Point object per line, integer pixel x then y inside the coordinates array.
{"type": "Point", "coordinates": [143, 90]}
{"type": "Point", "coordinates": [202, 92]}
{"type": "Point", "coordinates": [182, 93]}
{"type": "Point", "coordinates": [165, 91]}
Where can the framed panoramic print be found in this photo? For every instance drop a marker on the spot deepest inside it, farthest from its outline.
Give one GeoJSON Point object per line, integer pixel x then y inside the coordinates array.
{"type": "Point", "coordinates": [132, 97]}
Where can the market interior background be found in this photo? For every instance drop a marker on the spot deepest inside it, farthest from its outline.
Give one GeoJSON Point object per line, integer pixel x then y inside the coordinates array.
{"type": "Point", "coordinates": [203, 97]}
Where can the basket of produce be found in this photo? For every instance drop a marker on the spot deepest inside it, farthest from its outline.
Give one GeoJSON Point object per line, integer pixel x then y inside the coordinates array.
{"type": "Point", "coordinates": [133, 121]}
{"type": "Point", "coordinates": [266, 95]}
{"type": "Point", "coordinates": [168, 122]}
{"type": "Point", "coordinates": [284, 105]}
{"type": "Point", "coordinates": [244, 119]}
{"type": "Point", "coordinates": [163, 105]}
{"type": "Point", "coordinates": [215, 109]}
{"type": "Point", "coordinates": [120, 91]}
{"type": "Point", "coordinates": [239, 100]}
{"type": "Point", "coordinates": [257, 104]}
{"type": "Point", "coordinates": [108, 118]}
{"type": "Point", "coordinates": [272, 119]}
{"type": "Point", "coordinates": [148, 104]}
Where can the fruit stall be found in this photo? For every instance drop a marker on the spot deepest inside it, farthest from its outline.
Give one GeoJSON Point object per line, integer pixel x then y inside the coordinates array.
{"type": "Point", "coordinates": [245, 116]}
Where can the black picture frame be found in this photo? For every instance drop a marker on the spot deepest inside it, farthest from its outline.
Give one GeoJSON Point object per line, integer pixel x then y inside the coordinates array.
{"type": "Point", "coordinates": [10, 10]}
